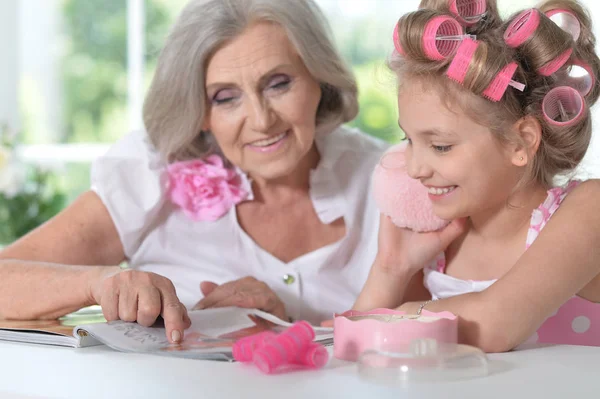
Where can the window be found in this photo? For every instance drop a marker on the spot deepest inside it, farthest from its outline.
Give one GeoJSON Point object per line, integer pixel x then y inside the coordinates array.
{"type": "Point", "coordinates": [74, 72]}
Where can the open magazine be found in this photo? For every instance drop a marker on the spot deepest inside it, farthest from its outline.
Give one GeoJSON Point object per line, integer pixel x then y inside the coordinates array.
{"type": "Point", "coordinates": [211, 335]}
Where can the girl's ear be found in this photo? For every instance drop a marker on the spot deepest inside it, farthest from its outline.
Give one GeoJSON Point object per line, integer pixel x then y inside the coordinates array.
{"type": "Point", "coordinates": [529, 131]}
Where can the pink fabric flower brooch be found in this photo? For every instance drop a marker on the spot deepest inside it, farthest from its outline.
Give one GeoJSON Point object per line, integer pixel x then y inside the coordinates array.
{"type": "Point", "coordinates": [204, 188]}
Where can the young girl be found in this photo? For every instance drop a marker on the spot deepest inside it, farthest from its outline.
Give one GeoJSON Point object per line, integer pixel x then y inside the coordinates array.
{"type": "Point", "coordinates": [490, 151]}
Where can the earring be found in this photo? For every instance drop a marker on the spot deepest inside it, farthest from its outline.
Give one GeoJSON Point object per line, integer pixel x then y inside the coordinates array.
{"type": "Point", "coordinates": [521, 159]}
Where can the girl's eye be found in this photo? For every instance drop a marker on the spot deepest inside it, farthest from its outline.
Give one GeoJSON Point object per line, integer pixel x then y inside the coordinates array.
{"type": "Point", "coordinates": [441, 148]}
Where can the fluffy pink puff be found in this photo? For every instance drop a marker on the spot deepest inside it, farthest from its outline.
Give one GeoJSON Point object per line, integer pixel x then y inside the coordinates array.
{"type": "Point", "coordinates": [401, 197]}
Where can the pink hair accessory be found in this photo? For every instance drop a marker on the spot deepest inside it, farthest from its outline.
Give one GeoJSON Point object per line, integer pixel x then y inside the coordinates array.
{"type": "Point", "coordinates": [457, 70]}
{"type": "Point", "coordinates": [563, 106]}
{"type": "Point", "coordinates": [294, 346]}
{"type": "Point", "coordinates": [556, 63]}
{"type": "Point", "coordinates": [386, 329]}
{"type": "Point", "coordinates": [396, 39]}
{"type": "Point", "coordinates": [441, 37]}
{"type": "Point", "coordinates": [498, 86]}
{"type": "Point", "coordinates": [580, 76]}
{"type": "Point", "coordinates": [566, 20]}
{"type": "Point", "coordinates": [243, 349]}
{"type": "Point", "coordinates": [522, 27]}
{"type": "Point", "coordinates": [403, 199]}
{"type": "Point", "coordinates": [468, 12]}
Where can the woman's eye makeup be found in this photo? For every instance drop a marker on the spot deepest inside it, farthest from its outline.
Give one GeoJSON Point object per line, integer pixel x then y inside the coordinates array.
{"type": "Point", "coordinates": [279, 82]}
{"type": "Point", "coordinates": [224, 96]}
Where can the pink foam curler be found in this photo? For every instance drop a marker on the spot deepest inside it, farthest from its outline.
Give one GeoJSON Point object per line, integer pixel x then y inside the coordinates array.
{"type": "Point", "coordinates": [441, 38]}
{"type": "Point", "coordinates": [563, 106]}
{"type": "Point", "coordinates": [285, 348]}
{"type": "Point", "coordinates": [522, 28]}
{"type": "Point", "coordinates": [468, 12]}
{"type": "Point", "coordinates": [457, 70]}
{"type": "Point", "coordinates": [498, 86]}
{"type": "Point", "coordinates": [315, 356]}
{"type": "Point", "coordinates": [243, 349]}
{"type": "Point", "coordinates": [565, 20]}
{"type": "Point", "coordinates": [403, 199]}
{"type": "Point", "coordinates": [556, 63]}
{"type": "Point", "coordinates": [580, 76]}
{"type": "Point", "coordinates": [396, 39]}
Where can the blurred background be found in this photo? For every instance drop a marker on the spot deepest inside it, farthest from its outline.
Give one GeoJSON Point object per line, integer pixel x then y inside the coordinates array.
{"type": "Point", "coordinates": [74, 74]}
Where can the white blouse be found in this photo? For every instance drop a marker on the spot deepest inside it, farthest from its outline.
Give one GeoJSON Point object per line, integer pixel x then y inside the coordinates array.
{"type": "Point", "coordinates": [158, 237]}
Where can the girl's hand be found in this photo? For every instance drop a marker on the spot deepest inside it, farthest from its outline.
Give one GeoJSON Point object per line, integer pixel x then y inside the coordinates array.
{"type": "Point", "coordinates": [401, 250]}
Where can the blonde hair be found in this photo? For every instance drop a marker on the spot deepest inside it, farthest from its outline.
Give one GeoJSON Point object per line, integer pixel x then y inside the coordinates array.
{"type": "Point", "coordinates": [562, 147]}
{"type": "Point", "coordinates": [176, 103]}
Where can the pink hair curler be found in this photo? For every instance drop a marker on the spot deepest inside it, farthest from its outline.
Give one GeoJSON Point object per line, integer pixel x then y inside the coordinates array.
{"type": "Point", "coordinates": [522, 28]}
{"type": "Point", "coordinates": [554, 65]}
{"type": "Point", "coordinates": [498, 86]}
{"type": "Point", "coordinates": [316, 356]}
{"type": "Point", "coordinates": [565, 20]}
{"type": "Point", "coordinates": [468, 12]}
{"type": "Point", "coordinates": [457, 70]}
{"type": "Point", "coordinates": [243, 349]}
{"type": "Point", "coordinates": [441, 38]}
{"type": "Point", "coordinates": [563, 106]}
{"type": "Point", "coordinates": [396, 40]}
{"type": "Point", "coordinates": [285, 348]}
{"type": "Point", "coordinates": [580, 76]}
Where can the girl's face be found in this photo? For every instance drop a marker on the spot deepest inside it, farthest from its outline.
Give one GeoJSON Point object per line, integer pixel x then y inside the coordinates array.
{"type": "Point", "coordinates": [466, 169]}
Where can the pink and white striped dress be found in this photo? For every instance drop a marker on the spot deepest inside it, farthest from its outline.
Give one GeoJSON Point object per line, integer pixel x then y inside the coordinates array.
{"type": "Point", "coordinates": [577, 322]}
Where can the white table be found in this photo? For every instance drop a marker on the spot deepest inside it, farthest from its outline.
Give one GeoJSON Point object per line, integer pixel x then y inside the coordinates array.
{"type": "Point", "coordinates": [35, 371]}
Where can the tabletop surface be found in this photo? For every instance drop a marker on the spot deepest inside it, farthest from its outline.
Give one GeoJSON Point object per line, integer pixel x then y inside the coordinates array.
{"type": "Point", "coordinates": [39, 371]}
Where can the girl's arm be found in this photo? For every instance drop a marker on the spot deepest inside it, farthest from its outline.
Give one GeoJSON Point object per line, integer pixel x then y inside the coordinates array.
{"type": "Point", "coordinates": [559, 264]}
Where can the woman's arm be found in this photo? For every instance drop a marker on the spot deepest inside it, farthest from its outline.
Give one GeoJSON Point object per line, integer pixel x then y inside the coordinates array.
{"type": "Point", "coordinates": [45, 274]}
{"type": "Point", "coordinates": [558, 265]}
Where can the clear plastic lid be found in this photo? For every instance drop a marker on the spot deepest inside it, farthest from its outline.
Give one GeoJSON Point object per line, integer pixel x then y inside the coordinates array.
{"type": "Point", "coordinates": [424, 360]}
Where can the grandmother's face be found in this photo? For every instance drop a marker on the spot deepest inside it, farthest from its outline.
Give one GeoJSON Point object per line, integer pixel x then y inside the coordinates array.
{"type": "Point", "coordinates": [262, 102]}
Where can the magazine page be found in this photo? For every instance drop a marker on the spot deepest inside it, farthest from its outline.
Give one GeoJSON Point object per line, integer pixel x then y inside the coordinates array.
{"type": "Point", "coordinates": [211, 335]}
{"type": "Point", "coordinates": [49, 332]}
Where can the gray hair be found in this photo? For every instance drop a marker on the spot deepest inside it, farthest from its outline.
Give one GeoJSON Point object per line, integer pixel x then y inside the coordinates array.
{"type": "Point", "coordinates": [176, 103]}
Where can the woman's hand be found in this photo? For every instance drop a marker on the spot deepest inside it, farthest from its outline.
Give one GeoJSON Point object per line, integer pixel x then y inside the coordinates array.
{"type": "Point", "coordinates": [246, 292]}
{"type": "Point", "coordinates": [401, 250]}
{"type": "Point", "coordinates": [132, 295]}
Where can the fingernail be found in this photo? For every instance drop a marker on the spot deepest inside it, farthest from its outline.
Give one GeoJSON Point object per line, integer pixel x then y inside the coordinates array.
{"type": "Point", "coordinates": [175, 336]}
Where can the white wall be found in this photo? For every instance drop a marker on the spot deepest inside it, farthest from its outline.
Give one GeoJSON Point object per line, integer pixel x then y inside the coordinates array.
{"type": "Point", "coordinates": [9, 64]}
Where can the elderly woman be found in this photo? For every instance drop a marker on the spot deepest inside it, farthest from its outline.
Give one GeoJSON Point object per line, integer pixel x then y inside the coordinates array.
{"type": "Point", "coordinates": [243, 190]}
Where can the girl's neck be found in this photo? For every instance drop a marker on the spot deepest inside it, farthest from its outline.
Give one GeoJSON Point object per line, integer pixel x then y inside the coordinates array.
{"type": "Point", "coordinates": [509, 218]}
